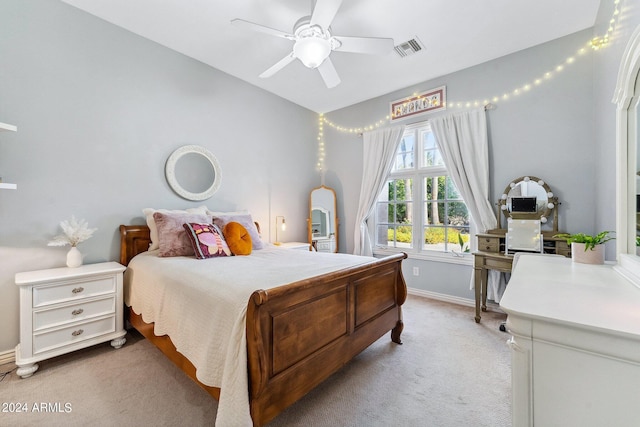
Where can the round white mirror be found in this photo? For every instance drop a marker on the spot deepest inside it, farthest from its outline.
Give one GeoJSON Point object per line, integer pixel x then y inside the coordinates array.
{"type": "Point", "coordinates": [193, 172]}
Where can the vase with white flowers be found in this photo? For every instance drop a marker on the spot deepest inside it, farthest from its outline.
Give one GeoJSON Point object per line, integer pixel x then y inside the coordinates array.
{"type": "Point", "coordinates": [74, 233]}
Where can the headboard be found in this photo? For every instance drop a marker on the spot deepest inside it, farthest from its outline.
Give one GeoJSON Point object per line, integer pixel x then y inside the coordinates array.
{"type": "Point", "coordinates": [135, 239]}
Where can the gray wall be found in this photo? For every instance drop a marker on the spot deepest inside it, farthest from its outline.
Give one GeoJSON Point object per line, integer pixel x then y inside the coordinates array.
{"type": "Point", "coordinates": [541, 132]}
{"type": "Point", "coordinates": [98, 111]}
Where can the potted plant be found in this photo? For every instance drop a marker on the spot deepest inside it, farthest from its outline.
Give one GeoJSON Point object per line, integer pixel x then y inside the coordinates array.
{"type": "Point", "coordinates": [585, 248]}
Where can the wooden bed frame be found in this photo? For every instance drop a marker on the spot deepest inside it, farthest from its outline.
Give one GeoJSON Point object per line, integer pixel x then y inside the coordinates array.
{"type": "Point", "coordinates": [288, 355]}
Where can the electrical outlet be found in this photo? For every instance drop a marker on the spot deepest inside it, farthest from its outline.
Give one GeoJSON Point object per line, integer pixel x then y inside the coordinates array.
{"type": "Point", "coordinates": [416, 271]}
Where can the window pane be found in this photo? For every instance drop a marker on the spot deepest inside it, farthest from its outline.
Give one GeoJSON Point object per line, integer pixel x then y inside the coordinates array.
{"type": "Point", "coordinates": [384, 212]}
{"type": "Point", "coordinates": [395, 237]}
{"type": "Point", "coordinates": [404, 213]}
{"type": "Point", "coordinates": [434, 188]}
{"type": "Point", "coordinates": [404, 236]}
{"type": "Point", "coordinates": [434, 213]}
{"type": "Point", "coordinates": [394, 213]}
{"type": "Point", "coordinates": [431, 154]}
{"type": "Point", "coordinates": [434, 239]}
{"type": "Point", "coordinates": [458, 215]}
{"type": "Point", "coordinates": [459, 241]}
{"type": "Point", "coordinates": [429, 141]}
{"type": "Point", "coordinates": [382, 234]}
{"type": "Point", "coordinates": [408, 143]}
{"type": "Point", "coordinates": [432, 158]}
{"type": "Point", "coordinates": [405, 153]}
{"type": "Point", "coordinates": [403, 190]}
{"type": "Point", "coordinates": [452, 190]}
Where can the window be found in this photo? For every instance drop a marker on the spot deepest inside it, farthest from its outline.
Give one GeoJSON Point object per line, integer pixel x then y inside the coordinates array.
{"type": "Point", "coordinates": [420, 210]}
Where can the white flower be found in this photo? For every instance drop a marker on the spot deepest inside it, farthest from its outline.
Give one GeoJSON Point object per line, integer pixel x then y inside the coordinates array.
{"type": "Point", "coordinates": [75, 232]}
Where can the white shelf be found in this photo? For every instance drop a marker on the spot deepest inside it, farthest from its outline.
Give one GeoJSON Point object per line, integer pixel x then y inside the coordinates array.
{"type": "Point", "coordinates": [7, 186]}
{"type": "Point", "coordinates": [4, 126]}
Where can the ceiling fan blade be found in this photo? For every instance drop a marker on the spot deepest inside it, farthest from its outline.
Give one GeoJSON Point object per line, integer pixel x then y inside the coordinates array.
{"type": "Point", "coordinates": [369, 45]}
{"type": "Point", "coordinates": [329, 73]}
{"type": "Point", "coordinates": [241, 23]}
{"type": "Point", "coordinates": [324, 12]}
{"type": "Point", "coordinates": [278, 66]}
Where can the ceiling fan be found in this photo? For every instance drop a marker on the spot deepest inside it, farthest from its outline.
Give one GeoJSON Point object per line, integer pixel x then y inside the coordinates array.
{"type": "Point", "coordinates": [313, 42]}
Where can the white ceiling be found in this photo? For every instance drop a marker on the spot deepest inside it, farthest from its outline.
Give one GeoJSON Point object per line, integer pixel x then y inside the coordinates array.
{"type": "Point", "coordinates": [456, 34]}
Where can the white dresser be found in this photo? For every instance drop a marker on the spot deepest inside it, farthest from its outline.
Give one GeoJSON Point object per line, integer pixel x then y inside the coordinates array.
{"type": "Point", "coordinates": [66, 309]}
{"type": "Point", "coordinates": [325, 245]}
{"type": "Point", "coordinates": [575, 340]}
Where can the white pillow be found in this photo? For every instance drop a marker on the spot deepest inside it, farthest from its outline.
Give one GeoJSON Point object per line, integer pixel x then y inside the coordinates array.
{"type": "Point", "coordinates": [247, 222]}
{"type": "Point", "coordinates": [151, 223]}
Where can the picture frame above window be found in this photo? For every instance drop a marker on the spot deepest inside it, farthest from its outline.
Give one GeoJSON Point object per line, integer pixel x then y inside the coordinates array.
{"type": "Point", "coordinates": [418, 104]}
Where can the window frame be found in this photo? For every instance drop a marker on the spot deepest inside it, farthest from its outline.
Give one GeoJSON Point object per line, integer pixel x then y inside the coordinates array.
{"type": "Point", "coordinates": [418, 173]}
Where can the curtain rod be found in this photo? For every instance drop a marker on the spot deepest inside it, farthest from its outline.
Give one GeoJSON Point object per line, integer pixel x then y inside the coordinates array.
{"type": "Point", "coordinates": [488, 106]}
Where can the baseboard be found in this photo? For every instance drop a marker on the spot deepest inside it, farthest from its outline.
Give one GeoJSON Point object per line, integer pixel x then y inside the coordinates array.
{"type": "Point", "coordinates": [7, 357]}
{"type": "Point", "coordinates": [452, 299]}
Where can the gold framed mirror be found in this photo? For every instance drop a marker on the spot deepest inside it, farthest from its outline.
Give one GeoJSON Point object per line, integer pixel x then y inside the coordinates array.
{"type": "Point", "coordinates": [322, 227]}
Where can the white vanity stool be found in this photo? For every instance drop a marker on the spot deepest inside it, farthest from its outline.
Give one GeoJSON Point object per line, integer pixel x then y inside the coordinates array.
{"type": "Point", "coordinates": [66, 309]}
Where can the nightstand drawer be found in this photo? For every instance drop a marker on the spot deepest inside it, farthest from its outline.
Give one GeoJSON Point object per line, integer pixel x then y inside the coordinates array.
{"type": "Point", "coordinates": [489, 244]}
{"type": "Point", "coordinates": [72, 334]}
{"type": "Point", "coordinates": [45, 295]}
{"type": "Point", "coordinates": [71, 313]}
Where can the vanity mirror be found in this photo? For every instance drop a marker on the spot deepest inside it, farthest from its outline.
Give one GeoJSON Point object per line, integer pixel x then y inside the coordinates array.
{"type": "Point", "coordinates": [323, 220]}
{"type": "Point", "coordinates": [627, 98]}
{"type": "Point", "coordinates": [193, 172]}
{"type": "Point", "coordinates": [529, 197]}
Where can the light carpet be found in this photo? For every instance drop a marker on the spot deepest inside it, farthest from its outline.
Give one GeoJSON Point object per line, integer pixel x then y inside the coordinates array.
{"type": "Point", "coordinates": [450, 371]}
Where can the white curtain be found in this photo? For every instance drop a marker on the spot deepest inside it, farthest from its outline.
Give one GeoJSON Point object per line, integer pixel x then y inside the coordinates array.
{"type": "Point", "coordinates": [463, 143]}
{"type": "Point", "coordinates": [379, 149]}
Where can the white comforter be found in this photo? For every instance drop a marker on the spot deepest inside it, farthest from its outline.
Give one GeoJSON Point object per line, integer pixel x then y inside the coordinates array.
{"type": "Point", "coordinates": [201, 305]}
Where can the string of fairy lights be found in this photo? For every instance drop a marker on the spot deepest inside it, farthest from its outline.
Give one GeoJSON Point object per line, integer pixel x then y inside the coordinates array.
{"type": "Point", "coordinates": [594, 44]}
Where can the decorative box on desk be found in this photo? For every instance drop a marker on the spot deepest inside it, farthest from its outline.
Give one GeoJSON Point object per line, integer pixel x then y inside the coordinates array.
{"type": "Point", "coordinates": [66, 309]}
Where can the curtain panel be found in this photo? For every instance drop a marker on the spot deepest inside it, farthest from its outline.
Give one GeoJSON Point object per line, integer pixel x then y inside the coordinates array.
{"type": "Point", "coordinates": [379, 149]}
{"type": "Point", "coordinates": [463, 143]}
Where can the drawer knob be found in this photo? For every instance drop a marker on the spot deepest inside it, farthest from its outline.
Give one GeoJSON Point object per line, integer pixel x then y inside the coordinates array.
{"type": "Point", "coordinates": [77, 290]}
{"type": "Point", "coordinates": [76, 333]}
{"type": "Point", "coordinates": [78, 311]}
{"type": "Point", "coordinates": [488, 247]}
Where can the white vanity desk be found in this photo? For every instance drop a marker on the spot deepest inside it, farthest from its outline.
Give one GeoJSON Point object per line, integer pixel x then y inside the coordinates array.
{"type": "Point", "coordinates": [575, 344]}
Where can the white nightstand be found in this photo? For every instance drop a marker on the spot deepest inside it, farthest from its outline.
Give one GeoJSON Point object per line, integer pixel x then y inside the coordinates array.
{"type": "Point", "coordinates": [295, 245]}
{"type": "Point", "coordinates": [66, 309]}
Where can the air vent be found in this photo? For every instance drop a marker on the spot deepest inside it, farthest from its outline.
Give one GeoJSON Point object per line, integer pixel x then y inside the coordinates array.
{"type": "Point", "coordinates": [409, 47]}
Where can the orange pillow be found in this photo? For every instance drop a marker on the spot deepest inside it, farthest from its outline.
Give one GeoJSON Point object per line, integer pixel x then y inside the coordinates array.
{"type": "Point", "coordinates": [237, 238]}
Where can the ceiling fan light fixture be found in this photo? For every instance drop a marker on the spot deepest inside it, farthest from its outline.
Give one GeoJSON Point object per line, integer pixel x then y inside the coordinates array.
{"type": "Point", "coordinates": [312, 51]}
